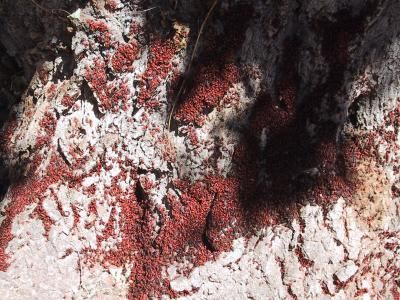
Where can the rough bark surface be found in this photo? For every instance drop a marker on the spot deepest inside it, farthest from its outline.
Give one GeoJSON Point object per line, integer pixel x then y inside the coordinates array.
{"type": "Point", "coordinates": [277, 178]}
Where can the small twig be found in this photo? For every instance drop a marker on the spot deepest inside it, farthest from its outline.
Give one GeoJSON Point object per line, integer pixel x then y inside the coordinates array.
{"type": "Point", "coordinates": [52, 10]}
{"type": "Point", "coordinates": [191, 61]}
{"type": "Point", "coordinates": [146, 10]}
{"type": "Point", "coordinates": [201, 32]}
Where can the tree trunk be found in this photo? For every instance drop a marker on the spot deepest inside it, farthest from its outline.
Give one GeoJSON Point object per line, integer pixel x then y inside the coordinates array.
{"type": "Point", "coordinates": [199, 149]}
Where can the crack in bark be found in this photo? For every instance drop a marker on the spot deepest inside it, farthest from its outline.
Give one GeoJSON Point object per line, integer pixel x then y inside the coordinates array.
{"type": "Point", "coordinates": [89, 96]}
{"type": "Point", "coordinates": [207, 241]}
{"type": "Point", "coordinates": [62, 154]}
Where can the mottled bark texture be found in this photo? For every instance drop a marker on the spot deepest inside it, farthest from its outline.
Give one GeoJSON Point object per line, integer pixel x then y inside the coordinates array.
{"type": "Point", "coordinates": [147, 154]}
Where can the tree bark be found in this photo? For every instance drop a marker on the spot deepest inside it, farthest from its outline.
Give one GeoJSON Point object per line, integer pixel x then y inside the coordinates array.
{"type": "Point", "coordinates": [199, 149]}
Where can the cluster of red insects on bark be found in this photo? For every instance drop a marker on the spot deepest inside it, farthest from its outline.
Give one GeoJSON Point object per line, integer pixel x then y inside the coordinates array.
{"type": "Point", "coordinates": [208, 214]}
{"type": "Point", "coordinates": [112, 97]}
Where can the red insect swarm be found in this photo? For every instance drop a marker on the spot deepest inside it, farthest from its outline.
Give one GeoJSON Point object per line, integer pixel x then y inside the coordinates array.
{"type": "Point", "coordinates": [212, 85]}
{"type": "Point", "coordinates": [101, 31]}
{"type": "Point", "coordinates": [158, 68]}
{"type": "Point", "coordinates": [124, 57]}
{"type": "Point", "coordinates": [111, 96]}
{"type": "Point", "coordinates": [26, 193]}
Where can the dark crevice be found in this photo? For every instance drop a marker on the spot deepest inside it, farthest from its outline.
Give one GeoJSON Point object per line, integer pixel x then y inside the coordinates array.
{"type": "Point", "coordinates": [208, 243]}
{"type": "Point", "coordinates": [88, 95]}
{"type": "Point", "coordinates": [61, 152]}
{"type": "Point", "coordinates": [66, 68]}
{"type": "Point", "coordinates": [141, 171]}
{"type": "Point", "coordinates": [141, 195]}
{"type": "Point", "coordinates": [207, 239]}
{"type": "Point", "coordinates": [353, 112]}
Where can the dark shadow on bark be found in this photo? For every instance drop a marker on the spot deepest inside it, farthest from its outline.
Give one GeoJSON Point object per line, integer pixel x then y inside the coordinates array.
{"type": "Point", "coordinates": [12, 84]}
{"type": "Point", "coordinates": [303, 157]}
